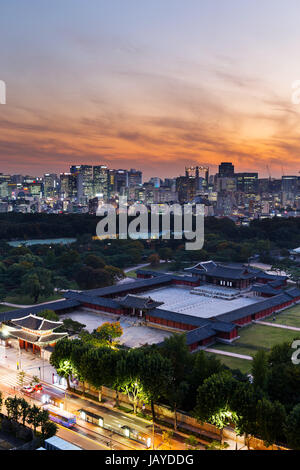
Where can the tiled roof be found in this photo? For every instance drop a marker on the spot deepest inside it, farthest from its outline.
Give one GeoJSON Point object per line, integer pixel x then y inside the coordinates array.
{"type": "Point", "coordinates": [199, 335]}
{"type": "Point", "coordinates": [178, 317]}
{"type": "Point", "coordinates": [82, 297]}
{"type": "Point", "coordinates": [222, 271]}
{"type": "Point", "coordinates": [37, 339]}
{"type": "Point", "coordinates": [265, 289]}
{"type": "Point", "coordinates": [33, 322]}
{"type": "Point", "coordinates": [127, 286]}
{"type": "Point", "coordinates": [271, 277]}
{"type": "Point", "coordinates": [293, 292]}
{"type": "Point", "coordinates": [254, 308]}
{"type": "Point", "coordinates": [134, 301]}
{"type": "Point", "coordinates": [22, 312]}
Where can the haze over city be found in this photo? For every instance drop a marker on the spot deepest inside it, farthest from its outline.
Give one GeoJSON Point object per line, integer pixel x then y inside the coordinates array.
{"type": "Point", "coordinates": [154, 85]}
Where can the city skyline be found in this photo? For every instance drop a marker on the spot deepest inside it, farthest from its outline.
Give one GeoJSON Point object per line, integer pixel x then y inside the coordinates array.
{"type": "Point", "coordinates": [155, 86]}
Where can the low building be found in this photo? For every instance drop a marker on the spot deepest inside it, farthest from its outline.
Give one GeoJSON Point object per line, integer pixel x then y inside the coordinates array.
{"type": "Point", "coordinates": [34, 333]}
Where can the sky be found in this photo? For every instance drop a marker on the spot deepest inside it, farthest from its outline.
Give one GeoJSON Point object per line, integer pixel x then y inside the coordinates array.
{"type": "Point", "coordinates": [155, 85]}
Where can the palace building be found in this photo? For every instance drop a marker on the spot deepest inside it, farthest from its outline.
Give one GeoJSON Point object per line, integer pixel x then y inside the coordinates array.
{"type": "Point", "coordinates": [34, 333]}
{"type": "Point", "coordinates": [232, 286]}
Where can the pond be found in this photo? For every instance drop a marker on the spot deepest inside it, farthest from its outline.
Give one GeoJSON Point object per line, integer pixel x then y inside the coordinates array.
{"type": "Point", "coordinates": [49, 241]}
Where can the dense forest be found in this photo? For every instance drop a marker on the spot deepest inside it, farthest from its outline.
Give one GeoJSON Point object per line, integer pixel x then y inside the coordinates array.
{"type": "Point", "coordinates": [40, 271]}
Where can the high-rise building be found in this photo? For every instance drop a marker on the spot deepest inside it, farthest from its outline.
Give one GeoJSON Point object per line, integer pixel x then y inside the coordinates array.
{"type": "Point", "coordinates": [68, 185]}
{"type": "Point", "coordinates": [186, 188]}
{"type": "Point", "coordinates": [84, 176]}
{"type": "Point", "coordinates": [50, 186]}
{"type": "Point", "coordinates": [120, 181]}
{"type": "Point", "coordinates": [101, 182]}
{"type": "Point", "coordinates": [289, 184]}
{"type": "Point", "coordinates": [226, 170]}
{"type": "Point", "coordinates": [135, 178]}
{"type": "Point", "coordinates": [247, 182]}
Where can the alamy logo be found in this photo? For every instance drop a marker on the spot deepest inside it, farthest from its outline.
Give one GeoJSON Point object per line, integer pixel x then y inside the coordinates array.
{"type": "Point", "coordinates": [184, 219]}
{"type": "Point", "coordinates": [296, 354]}
{"type": "Point", "coordinates": [2, 92]}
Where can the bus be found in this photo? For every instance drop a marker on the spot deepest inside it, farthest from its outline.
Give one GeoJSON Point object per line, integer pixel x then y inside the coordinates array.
{"type": "Point", "coordinates": [60, 416]}
{"type": "Point", "coordinates": [125, 431]}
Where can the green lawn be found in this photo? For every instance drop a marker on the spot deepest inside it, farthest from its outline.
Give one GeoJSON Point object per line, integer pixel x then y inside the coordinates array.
{"type": "Point", "coordinates": [26, 300]}
{"type": "Point", "coordinates": [234, 363]}
{"type": "Point", "coordinates": [289, 317]}
{"type": "Point", "coordinates": [252, 339]}
{"type": "Point", "coordinates": [131, 274]}
{"type": "Point", "coordinates": [256, 337]}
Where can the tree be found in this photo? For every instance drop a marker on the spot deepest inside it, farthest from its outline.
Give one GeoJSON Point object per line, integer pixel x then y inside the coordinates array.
{"type": "Point", "coordinates": [34, 417]}
{"type": "Point", "coordinates": [175, 349]}
{"type": "Point", "coordinates": [21, 378]}
{"type": "Point", "coordinates": [129, 371]}
{"type": "Point", "coordinates": [61, 358]}
{"type": "Point", "coordinates": [49, 429]}
{"type": "Point", "coordinates": [213, 400]}
{"type": "Point", "coordinates": [107, 332]}
{"type": "Point", "coordinates": [260, 370]}
{"type": "Point", "coordinates": [12, 408]}
{"type": "Point", "coordinates": [24, 409]}
{"type": "Point", "coordinates": [49, 315]}
{"type": "Point", "coordinates": [192, 443]}
{"type": "Point", "coordinates": [156, 377]}
{"type": "Point", "coordinates": [176, 395]}
{"type": "Point", "coordinates": [94, 261]}
{"type": "Point", "coordinates": [1, 401]}
{"type": "Point", "coordinates": [243, 402]}
{"type": "Point", "coordinates": [71, 326]}
{"type": "Point", "coordinates": [31, 285]}
{"type": "Point", "coordinates": [292, 429]}
{"type": "Point", "coordinates": [154, 260]}
{"type": "Point", "coordinates": [203, 366]}
{"type": "Point", "coordinates": [271, 420]}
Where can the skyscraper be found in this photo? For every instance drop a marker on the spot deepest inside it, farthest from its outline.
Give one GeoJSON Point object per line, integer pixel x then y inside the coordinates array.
{"type": "Point", "coordinates": [226, 170]}
{"type": "Point", "coordinates": [101, 182]}
{"type": "Point", "coordinates": [84, 177]}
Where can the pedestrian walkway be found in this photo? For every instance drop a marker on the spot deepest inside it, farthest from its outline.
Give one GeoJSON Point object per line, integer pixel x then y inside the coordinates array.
{"type": "Point", "coordinates": [284, 327]}
{"type": "Point", "coordinates": [230, 354]}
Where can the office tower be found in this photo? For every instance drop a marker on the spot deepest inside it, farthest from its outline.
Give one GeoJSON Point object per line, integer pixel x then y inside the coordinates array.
{"type": "Point", "coordinates": [186, 189]}
{"type": "Point", "coordinates": [226, 170]}
{"type": "Point", "coordinates": [68, 185]}
{"type": "Point", "coordinates": [135, 178]}
{"type": "Point", "coordinates": [101, 182]}
{"type": "Point", "coordinates": [202, 182]}
{"type": "Point", "coordinates": [155, 181]}
{"type": "Point", "coordinates": [247, 182]}
{"type": "Point", "coordinates": [84, 177]}
{"type": "Point", "coordinates": [226, 184]}
{"type": "Point", "coordinates": [35, 188]}
{"type": "Point", "coordinates": [17, 179]}
{"type": "Point", "coordinates": [50, 184]}
{"type": "Point", "coordinates": [120, 181]}
{"type": "Point", "coordinates": [289, 184]}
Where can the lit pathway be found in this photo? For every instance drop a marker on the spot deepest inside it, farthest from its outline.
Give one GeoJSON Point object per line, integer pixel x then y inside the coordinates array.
{"type": "Point", "coordinates": [285, 327]}
{"type": "Point", "coordinates": [226, 353]}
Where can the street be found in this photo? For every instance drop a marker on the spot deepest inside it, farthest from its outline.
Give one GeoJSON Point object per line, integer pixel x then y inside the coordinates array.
{"type": "Point", "coordinates": [86, 435]}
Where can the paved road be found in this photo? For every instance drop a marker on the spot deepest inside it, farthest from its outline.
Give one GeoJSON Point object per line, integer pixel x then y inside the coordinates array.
{"type": "Point", "coordinates": [226, 353]}
{"type": "Point", "coordinates": [285, 327]}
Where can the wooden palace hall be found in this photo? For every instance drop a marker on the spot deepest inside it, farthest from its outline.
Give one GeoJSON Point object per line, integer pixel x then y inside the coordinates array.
{"type": "Point", "coordinates": [35, 333]}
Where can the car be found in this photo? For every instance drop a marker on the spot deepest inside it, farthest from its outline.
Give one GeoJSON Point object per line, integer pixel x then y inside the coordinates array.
{"type": "Point", "coordinates": [38, 387]}
{"type": "Point", "coordinates": [28, 389]}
